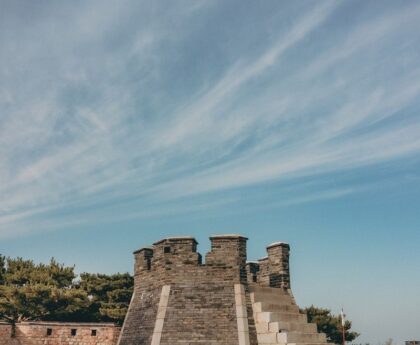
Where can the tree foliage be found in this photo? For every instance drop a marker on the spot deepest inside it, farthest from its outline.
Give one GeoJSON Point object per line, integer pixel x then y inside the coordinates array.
{"type": "Point", "coordinates": [109, 294]}
{"type": "Point", "coordinates": [330, 324]}
{"type": "Point", "coordinates": [30, 291]}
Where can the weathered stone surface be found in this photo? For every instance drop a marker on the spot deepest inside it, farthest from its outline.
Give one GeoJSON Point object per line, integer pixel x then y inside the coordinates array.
{"type": "Point", "coordinates": [201, 305]}
{"type": "Point", "coordinates": [59, 333]}
{"type": "Point", "coordinates": [212, 303]}
{"type": "Point", "coordinates": [278, 319]}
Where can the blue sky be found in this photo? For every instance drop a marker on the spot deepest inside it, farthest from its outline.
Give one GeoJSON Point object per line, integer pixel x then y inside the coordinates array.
{"type": "Point", "coordinates": [123, 122]}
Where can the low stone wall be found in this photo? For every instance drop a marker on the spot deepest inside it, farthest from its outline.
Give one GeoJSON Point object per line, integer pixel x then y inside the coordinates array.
{"type": "Point", "coordinates": [5, 333]}
{"type": "Point", "coordinates": [59, 333]}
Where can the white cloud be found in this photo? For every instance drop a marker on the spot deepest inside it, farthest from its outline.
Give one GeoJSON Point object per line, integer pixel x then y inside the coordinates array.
{"type": "Point", "coordinates": [91, 127]}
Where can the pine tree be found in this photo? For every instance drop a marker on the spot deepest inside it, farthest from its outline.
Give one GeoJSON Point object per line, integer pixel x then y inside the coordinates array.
{"type": "Point", "coordinates": [330, 324]}
{"type": "Point", "coordinates": [110, 295]}
{"type": "Point", "coordinates": [30, 291]}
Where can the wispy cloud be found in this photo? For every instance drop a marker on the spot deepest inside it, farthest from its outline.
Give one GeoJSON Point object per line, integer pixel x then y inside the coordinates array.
{"type": "Point", "coordinates": [127, 110]}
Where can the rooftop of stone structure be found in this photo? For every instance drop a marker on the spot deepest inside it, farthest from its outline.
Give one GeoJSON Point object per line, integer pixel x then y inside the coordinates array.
{"type": "Point", "coordinates": [228, 236]}
{"type": "Point", "coordinates": [275, 244]}
{"type": "Point", "coordinates": [143, 248]}
{"type": "Point", "coordinates": [177, 238]}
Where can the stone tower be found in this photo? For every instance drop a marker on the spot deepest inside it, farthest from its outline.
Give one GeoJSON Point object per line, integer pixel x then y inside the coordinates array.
{"type": "Point", "coordinates": [226, 301]}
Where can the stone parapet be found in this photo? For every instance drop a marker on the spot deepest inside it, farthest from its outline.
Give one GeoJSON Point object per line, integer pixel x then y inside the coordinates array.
{"type": "Point", "coordinates": [278, 265]}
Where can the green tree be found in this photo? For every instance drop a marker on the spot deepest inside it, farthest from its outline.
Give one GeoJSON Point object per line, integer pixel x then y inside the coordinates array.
{"type": "Point", "coordinates": [330, 324]}
{"type": "Point", "coordinates": [110, 295]}
{"type": "Point", "coordinates": [2, 268]}
{"type": "Point", "coordinates": [30, 291]}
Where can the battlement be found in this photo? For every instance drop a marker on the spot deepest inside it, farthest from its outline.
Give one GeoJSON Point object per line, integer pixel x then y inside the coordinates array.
{"type": "Point", "coordinates": [227, 250]}
{"type": "Point", "coordinates": [174, 257]}
{"type": "Point", "coordinates": [273, 269]}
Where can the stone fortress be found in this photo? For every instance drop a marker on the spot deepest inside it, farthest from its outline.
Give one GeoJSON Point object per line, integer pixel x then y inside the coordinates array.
{"type": "Point", "coordinates": [226, 301]}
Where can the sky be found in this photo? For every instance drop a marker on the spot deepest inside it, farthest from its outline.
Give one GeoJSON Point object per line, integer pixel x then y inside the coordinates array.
{"type": "Point", "coordinates": [124, 122]}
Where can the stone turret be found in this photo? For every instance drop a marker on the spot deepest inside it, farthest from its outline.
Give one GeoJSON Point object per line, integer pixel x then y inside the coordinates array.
{"type": "Point", "coordinates": [177, 299]}
{"type": "Point", "coordinates": [229, 251]}
{"type": "Point", "coordinates": [142, 261]}
{"type": "Point", "coordinates": [272, 270]}
{"type": "Point", "coordinates": [175, 252]}
{"type": "Point", "coordinates": [278, 265]}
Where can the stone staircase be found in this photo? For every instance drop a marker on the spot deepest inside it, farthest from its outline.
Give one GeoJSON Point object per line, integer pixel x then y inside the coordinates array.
{"type": "Point", "coordinates": [278, 320]}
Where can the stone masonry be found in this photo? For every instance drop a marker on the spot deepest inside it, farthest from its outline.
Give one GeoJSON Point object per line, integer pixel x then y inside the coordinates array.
{"type": "Point", "coordinates": [226, 301]}
{"type": "Point", "coordinates": [59, 333]}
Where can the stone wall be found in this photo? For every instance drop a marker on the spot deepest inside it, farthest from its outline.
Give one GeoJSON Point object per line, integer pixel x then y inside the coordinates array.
{"type": "Point", "coordinates": [179, 300]}
{"type": "Point", "coordinates": [58, 333]}
{"type": "Point", "coordinates": [5, 333]}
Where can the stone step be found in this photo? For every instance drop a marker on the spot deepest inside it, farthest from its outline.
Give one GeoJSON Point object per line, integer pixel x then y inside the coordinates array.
{"type": "Point", "coordinates": [271, 292]}
{"type": "Point", "coordinates": [267, 338]}
{"type": "Point", "coordinates": [280, 343]}
{"type": "Point", "coordinates": [276, 327]}
{"type": "Point", "coordinates": [282, 299]}
{"type": "Point", "coordinates": [322, 343]}
{"type": "Point", "coordinates": [268, 316]}
{"type": "Point", "coordinates": [292, 327]}
{"type": "Point", "coordinates": [275, 292]}
{"type": "Point", "coordinates": [262, 327]}
{"type": "Point", "coordinates": [264, 306]}
{"type": "Point", "coordinates": [299, 337]}
{"type": "Point", "coordinates": [264, 295]}
{"type": "Point", "coordinates": [276, 300]}
{"type": "Point", "coordinates": [259, 288]}
{"type": "Point", "coordinates": [278, 320]}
